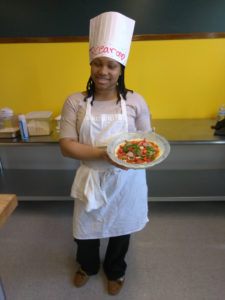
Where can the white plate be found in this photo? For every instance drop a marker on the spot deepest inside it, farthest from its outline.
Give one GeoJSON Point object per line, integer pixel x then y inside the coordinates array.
{"type": "Point", "coordinates": [150, 136]}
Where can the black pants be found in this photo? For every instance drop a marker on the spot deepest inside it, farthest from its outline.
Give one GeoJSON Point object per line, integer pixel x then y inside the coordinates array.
{"type": "Point", "coordinates": [114, 263]}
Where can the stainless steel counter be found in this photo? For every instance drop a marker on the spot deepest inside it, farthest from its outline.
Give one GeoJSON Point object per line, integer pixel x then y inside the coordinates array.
{"type": "Point", "coordinates": [188, 131]}
{"type": "Point", "coordinates": [194, 169]}
{"type": "Point", "coordinates": [176, 131]}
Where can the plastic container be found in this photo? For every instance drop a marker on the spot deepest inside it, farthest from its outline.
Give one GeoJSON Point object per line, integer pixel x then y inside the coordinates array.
{"type": "Point", "coordinates": [221, 113]}
{"type": "Point", "coordinates": [9, 122]}
{"type": "Point", "coordinates": [7, 118]}
{"type": "Point", "coordinates": [39, 123]}
{"type": "Point", "coordinates": [9, 127]}
{"type": "Point", "coordinates": [23, 127]}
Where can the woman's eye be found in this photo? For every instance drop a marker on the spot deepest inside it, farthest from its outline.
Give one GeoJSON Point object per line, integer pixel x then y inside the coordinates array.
{"type": "Point", "coordinates": [112, 66]}
{"type": "Point", "coordinates": [96, 63]}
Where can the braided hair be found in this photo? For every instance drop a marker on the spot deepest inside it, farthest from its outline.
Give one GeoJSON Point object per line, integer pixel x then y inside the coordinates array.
{"type": "Point", "coordinates": [121, 89]}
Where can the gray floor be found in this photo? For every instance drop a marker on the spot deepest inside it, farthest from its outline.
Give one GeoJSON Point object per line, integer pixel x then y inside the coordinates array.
{"type": "Point", "coordinates": [180, 255]}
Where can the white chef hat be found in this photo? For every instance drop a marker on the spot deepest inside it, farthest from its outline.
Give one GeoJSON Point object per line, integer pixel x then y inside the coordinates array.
{"type": "Point", "coordinates": [110, 35]}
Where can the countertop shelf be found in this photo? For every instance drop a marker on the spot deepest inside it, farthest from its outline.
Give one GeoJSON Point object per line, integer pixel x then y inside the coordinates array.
{"type": "Point", "coordinates": [189, 131]}
{"type": "Point", "coordinates": [176, 131]}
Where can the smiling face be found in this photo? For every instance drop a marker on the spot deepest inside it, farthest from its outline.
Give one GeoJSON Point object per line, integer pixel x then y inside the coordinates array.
{"type": "Point", "coordinates": [105, 73]}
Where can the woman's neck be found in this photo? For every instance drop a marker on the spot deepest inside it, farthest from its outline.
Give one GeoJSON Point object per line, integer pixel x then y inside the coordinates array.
{"type": "Point", "coordinates": [105, 95]}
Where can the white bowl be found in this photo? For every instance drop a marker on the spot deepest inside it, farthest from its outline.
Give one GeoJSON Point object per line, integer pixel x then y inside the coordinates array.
{"type": "Point", "coordinates": [150, 136]}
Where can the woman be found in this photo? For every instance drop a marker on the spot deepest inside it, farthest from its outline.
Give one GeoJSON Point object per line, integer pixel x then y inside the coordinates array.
{"type": "Point", "coordinates": [111, 201]}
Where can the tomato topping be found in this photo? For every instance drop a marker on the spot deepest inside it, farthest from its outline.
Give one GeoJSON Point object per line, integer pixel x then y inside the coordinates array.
{"type": "Point", "coordinates": [138, 152]}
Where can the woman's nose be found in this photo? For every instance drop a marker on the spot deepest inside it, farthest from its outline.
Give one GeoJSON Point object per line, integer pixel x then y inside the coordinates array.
{"type": "Point", "coordinates": [103, 70]}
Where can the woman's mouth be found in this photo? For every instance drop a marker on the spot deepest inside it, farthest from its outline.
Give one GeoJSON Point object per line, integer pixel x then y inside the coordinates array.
{"type": "Point", "coordinates": [102, 80]}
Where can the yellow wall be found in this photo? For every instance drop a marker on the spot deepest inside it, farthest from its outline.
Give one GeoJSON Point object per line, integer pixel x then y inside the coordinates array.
{"type": "Point", "coordinates": [178, 78]}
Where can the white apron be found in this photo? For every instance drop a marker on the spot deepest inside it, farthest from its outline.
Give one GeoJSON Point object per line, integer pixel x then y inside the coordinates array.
{"type": "Point", "coordinates": [109, 201]}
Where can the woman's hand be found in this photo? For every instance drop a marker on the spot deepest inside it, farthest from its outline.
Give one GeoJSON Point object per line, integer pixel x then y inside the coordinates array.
{"type": "Point", "coordinates": [106, 157]}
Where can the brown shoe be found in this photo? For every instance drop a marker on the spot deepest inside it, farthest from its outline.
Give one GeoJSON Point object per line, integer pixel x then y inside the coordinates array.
{"type": "Point", "coordinates": [80, 278]}
{"type": "Point", "coordinates": [114, 286]}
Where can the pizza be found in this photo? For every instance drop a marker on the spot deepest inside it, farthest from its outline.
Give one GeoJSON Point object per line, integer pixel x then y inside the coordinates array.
{"type": "Point", "coordinates": [138, 151]}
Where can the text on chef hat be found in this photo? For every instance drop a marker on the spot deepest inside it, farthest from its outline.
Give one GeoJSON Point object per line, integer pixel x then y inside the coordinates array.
{"type": "Point", "coordinates": [107, 50]}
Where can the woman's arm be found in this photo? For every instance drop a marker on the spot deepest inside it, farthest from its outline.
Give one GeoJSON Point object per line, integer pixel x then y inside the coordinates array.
{"type": "Point", "coordinates": [142, 119]}
{"type": "Point", "coordinates": [70, 147]}
{"type": "Point", "coordinates": [73, 149]}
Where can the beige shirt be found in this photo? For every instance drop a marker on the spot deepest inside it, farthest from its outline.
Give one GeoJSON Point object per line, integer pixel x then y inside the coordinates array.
{"type": "Point", "coordinates": [74, 109]}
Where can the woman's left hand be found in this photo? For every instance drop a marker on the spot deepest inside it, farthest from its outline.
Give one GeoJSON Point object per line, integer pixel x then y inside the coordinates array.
{"type": "Point", "coordinates": [106, 157]}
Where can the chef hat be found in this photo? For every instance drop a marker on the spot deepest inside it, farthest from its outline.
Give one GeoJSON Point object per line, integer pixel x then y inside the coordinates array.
{"type": "Point", "coordinates": [110, 36]}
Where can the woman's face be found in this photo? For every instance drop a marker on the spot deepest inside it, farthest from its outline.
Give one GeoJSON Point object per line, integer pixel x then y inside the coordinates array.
{"type": "Point", "coordinates": [105, 72]}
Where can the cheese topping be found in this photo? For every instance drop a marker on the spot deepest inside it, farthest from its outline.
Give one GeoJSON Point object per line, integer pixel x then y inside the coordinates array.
{"type": "Point", "coordinates": [138, 151]}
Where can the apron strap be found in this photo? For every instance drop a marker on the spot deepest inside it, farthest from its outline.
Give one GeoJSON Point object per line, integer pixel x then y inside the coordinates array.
{"type": "Point", "coordinates": [88, 108]}
{"type": "Point", "coordinates": [124, 112]}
